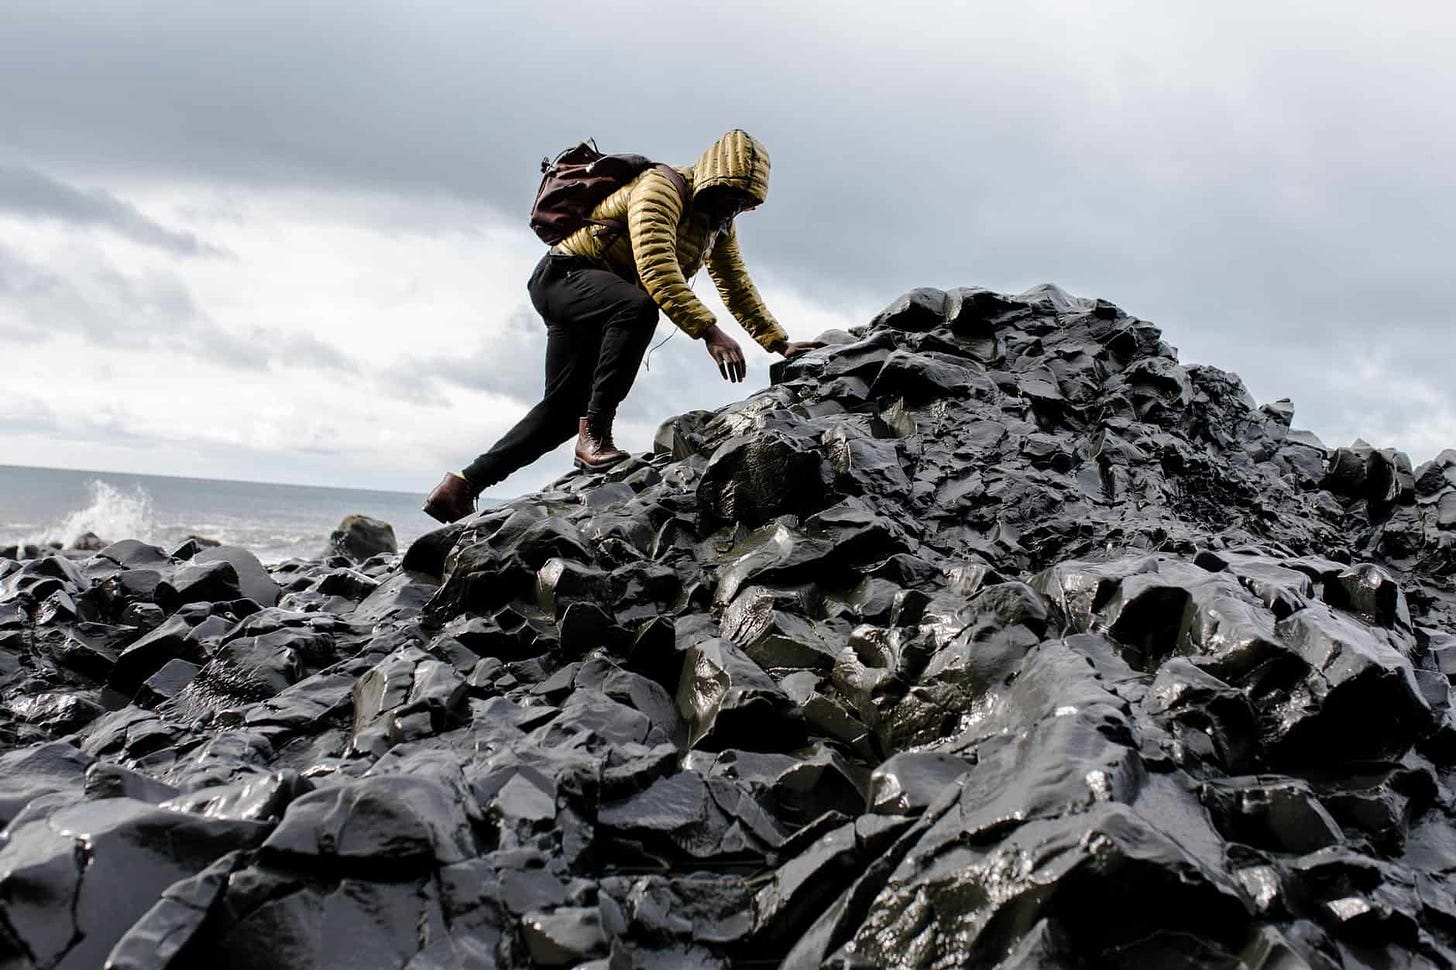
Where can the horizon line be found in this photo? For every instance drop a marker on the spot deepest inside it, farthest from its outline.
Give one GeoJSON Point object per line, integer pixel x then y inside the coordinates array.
{"type": "Point", "coordinates": [201, 478]}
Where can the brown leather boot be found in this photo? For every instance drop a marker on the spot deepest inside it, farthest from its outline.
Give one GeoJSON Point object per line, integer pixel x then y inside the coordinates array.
{"type": "Point", "coordinates": [594, 447]}
{"type": "Point", "coordinates": [452, 499]}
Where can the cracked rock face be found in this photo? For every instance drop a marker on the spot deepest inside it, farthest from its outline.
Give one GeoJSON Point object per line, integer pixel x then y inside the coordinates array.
{"type": "Point", "coordinates": [988, 635]}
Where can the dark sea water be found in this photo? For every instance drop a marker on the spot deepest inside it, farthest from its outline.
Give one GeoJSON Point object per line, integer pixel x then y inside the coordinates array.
{"type": "Point", "coordinates": [276, 522]}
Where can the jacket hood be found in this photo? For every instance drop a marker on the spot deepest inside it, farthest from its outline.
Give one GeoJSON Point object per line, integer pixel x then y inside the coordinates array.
{"type": "Point", "coordinates": [737, 160]}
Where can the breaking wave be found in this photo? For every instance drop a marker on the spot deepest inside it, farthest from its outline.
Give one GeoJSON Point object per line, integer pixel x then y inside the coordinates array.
{"type": "Point", "coordinates": [57, 507]}
{"type": "Point", "coordinates": [112, 512]}
{"type": "Point", "coordinates": [109, 512]}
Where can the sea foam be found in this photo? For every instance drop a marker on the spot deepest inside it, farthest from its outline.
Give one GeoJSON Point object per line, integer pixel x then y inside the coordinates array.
{"type": "Point", "coordinates": [110, 513]}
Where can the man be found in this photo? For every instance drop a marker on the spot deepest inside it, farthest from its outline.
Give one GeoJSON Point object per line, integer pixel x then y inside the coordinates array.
{"type": "Point", "coordinates": [600, 291]}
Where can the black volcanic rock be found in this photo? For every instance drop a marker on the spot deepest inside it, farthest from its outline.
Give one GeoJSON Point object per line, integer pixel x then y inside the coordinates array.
{"type": "Point", "coordinates": [73, 882]}
{"type": "Point", "coordinates": [358, 537]}
{"type": "Point", "coordinates": [88, 542]}
{"type": "Point", "coordinates": [754, 477]}
{"type": "Point", "coordinates": [254, 583]}
{"type": "Point", "coordinates": [989, 635]}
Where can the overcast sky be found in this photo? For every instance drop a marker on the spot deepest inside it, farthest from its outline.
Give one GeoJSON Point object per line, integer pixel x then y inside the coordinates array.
{"type": "Point", "coordinates": [286, 241]}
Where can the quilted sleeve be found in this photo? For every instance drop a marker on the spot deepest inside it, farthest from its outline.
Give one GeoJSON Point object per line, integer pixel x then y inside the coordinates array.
{"type": "Point", "coordinates": [652, 220]}
{"type": "Point", "coordinates": [725, 265]}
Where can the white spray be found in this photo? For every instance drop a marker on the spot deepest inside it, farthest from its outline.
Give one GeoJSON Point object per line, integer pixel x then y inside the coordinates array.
{"type": "Point", "coordinates": [110, 513]}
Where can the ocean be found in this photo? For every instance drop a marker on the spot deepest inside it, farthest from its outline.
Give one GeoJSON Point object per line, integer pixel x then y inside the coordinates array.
{"type": "Point", "coordinates": [275, 522]}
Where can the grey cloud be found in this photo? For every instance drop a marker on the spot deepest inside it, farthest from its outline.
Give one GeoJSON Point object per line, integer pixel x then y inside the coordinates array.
{"type": "Point", "coordinates": [111, 309]}
{"type": "Point", "coordinates": [509, 363]}
{"type": "Point", "coordinates": [98, 303]}
{"type": "Point", "coordinates": [305, 349]}
{"type": "Point", "coordinates": [28, 417]}
{"type": "Point", "coordinates": [1272, 191]}
{"type": "Point", "coordinates": [26, 192]}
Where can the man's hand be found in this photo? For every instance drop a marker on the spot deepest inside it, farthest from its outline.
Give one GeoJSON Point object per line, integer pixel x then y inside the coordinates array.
{"type": "Point", "coordinates": [793, 350]}
{"type": "Point", "coordinates": [726, 353]}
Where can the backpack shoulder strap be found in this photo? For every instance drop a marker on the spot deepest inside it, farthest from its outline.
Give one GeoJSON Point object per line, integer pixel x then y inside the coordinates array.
{"type": "Point", "coordinates": [617, 227]}
{"type": "Point", "coordinates": [677, 180]}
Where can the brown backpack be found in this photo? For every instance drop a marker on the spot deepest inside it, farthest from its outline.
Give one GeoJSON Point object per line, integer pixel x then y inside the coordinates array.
{"type": "Point", "coordinates": [578, 180]}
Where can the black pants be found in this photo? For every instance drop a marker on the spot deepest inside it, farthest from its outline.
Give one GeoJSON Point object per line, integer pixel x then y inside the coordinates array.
{"type": "Point", "coordinates": [598, 326]}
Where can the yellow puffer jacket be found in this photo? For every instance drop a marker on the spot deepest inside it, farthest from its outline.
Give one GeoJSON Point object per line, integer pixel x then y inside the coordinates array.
{"type": "Point", "coordinates": [666, 242]}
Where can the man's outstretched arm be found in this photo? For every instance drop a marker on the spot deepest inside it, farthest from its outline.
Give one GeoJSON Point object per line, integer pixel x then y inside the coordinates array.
{"type": "Point", "coordinates": [740, 296]}
{"type": "Point", "coordinates": [652, 219]}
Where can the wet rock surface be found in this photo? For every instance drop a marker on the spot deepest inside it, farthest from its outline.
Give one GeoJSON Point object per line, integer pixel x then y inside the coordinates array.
{"type": "Point", "coordinates": [988, 635]}
{"type": "Point", "coordinates": [358, 537]}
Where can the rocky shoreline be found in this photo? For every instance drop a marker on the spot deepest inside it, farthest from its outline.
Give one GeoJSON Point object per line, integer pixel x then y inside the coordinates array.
{"type": "Point", "coordinates": [989, 635]}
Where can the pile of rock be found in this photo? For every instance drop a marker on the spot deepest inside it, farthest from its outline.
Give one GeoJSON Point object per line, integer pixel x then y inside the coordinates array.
{"type": "Point", "coordinates": [989, 635]}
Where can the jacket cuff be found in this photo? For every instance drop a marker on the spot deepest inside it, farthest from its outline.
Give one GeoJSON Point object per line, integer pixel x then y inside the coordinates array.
{"type": "Point", "coordinates": [695, 328]}
{"type": "Point", "coordinates": [774, 342]}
